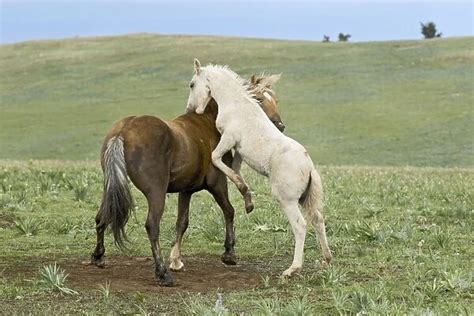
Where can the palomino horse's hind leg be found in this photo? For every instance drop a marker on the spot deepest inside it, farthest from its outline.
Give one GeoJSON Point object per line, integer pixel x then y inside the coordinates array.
{"type": "Point", "coordinates": [298, 225]}
{"type": "Point", "coordinates": [220, 194]}
{"type": "Point", "coordinates": [320, 227]}
{"type": "Point", "coordinates": [97, 257]}
{"type": "Point", "coordinates": [156, 204]}
{"type": "Point", "coordinates": [182, 222]}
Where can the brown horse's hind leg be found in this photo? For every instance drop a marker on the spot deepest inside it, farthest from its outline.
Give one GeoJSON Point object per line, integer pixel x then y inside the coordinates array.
{"type": "Point", "coordinates": [156, 204]}
{"type": "Point", "coordinates": [181, 225]}
{"type": "Point", "coordinates": [220, 194]}
{"type": "Point", "coordinates": [97, 257]}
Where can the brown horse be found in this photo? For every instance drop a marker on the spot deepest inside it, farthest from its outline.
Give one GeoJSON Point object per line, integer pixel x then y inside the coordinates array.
{"type": "Point", "coordinates": [162, 157]}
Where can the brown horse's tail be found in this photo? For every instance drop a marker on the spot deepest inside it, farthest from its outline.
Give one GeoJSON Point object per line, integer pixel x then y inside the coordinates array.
{"type": "Point", "coordinates": [117, 199]}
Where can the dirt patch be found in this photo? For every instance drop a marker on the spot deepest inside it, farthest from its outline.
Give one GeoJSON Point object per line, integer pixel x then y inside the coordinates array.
{"type": "Point", "coordinates": [6, 220]}
{"type": "Point", "coordinates": [202, 274]}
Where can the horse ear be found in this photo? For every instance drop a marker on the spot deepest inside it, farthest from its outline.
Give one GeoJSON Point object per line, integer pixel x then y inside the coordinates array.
{"type": "Point", "coordinates": [197, 66]}
{"type": "Point", "coordinates": [269, 81]}
{"type": "Point", "coordinates": [253, 79]}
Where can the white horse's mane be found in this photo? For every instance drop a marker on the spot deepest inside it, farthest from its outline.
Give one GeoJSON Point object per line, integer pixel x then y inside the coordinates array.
{"type": "Point", "coordinates": [226, 69]}
{"type": "Point", "coordinates": [247, 86]}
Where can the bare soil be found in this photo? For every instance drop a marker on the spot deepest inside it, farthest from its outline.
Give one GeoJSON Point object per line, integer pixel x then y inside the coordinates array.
{"type": "Point", "coordinates": [201, 274]}
{"type": "Point", "coordinates": [6, 220]}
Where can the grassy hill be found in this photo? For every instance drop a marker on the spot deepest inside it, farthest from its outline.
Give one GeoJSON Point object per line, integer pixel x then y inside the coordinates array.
{"type": "Point", "coordinates": [386, 103]}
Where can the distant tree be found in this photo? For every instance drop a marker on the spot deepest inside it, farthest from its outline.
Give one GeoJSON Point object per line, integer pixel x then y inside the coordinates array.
{"type": "Point", "coordinates": [344, 37]}
{"type": "Point", "coordinates": [326, 39]}
{"type": "Point", "coordinates": [429, 30]}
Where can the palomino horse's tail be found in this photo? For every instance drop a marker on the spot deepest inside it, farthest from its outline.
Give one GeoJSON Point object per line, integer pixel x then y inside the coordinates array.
{"type": "Point", "coordinates": [117, 199]}
{"type": "Point", "coordinates": [313, 209]}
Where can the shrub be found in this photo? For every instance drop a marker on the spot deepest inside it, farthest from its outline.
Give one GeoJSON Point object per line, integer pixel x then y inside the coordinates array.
{"type": "Point", "coordinates": [344, 37]}
{"type": "Point", "coordinates": [429, 30]}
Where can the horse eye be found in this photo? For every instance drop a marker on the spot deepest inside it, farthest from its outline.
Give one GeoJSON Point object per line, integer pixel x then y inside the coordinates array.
{"type": "Point", "coordinates": [191, 85]}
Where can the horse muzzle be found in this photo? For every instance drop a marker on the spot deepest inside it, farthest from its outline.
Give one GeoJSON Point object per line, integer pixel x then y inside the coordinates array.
{"type": "Point", "coordinates": [280, 126]}
{"type": "Point", "coordinates": [200, 110]}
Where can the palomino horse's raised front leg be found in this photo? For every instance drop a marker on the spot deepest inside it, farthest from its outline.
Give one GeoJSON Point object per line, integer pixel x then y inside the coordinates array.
{"type": "Point", "coordinates": [224, 146]}
{"type": "Point", "coordinates": [237, 163]}
{"type": "Point", "coordinates": [184, 198]}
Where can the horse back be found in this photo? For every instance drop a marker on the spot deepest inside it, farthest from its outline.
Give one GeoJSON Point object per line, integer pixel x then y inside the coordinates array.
{"type": "Point", "coordinates": [178, 150]}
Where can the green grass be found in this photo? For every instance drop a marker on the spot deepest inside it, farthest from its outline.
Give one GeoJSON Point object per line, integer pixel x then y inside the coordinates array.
{"type": "Point", "coordinates": [401, 236]}
{"type": "Point", "coordinates": [387, 103]}
{"type": "Point", "coordinates": [402, 242]}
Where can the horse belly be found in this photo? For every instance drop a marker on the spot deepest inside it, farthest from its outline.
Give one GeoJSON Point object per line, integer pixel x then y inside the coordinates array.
{"type": "Point", "coordinates": [187, 173]}
{"type": "Point", "coordinates": [258, 160]}
{"type": "Point", "coordinates": [292, 159]}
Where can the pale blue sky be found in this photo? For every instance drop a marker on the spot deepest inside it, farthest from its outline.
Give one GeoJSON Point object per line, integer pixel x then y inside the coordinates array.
{"type": "Point", "coordinates": [308, 20]}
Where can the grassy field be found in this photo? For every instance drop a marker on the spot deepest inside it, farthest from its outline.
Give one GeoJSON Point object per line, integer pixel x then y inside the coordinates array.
{"type": "Point", "coordinates": [386, 103]}
{"type": "Point", "coordinates": [390, 123]}
{"type": "Point", "coordinates": [402, 242]}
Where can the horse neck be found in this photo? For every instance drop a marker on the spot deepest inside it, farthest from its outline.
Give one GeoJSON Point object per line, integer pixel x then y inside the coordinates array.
{"type": "Point", "coordinates": [227, 96]}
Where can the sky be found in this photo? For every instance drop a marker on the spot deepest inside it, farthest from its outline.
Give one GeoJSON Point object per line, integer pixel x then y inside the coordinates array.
{"type": "Point", "coordinates": [306, 20]}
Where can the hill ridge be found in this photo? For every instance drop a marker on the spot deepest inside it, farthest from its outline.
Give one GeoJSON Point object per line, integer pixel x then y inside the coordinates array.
{"type": "Point", "coordinates": [366, 103]}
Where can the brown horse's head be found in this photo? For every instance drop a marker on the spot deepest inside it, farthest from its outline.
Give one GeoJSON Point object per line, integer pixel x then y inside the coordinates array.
{"type": "Point", "coordinates": [261, 86]}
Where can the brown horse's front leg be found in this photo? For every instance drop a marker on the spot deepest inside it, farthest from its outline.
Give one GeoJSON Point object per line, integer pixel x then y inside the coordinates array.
{"type": "Point", "coordinates": [220, 194]}
{"type": "Point", "coordinates": [182, 222]}
{"type": "Point", "coordinates": [156, 204]}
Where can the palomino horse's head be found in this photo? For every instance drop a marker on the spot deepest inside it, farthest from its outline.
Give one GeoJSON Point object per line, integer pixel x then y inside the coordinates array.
{"type": "Point", "coordinates": [200, 93]}
{"type": "Point", "coordinates": [261, 86]}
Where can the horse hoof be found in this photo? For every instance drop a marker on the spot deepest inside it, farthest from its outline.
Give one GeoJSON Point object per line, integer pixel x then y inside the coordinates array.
{"type": "Point", "coordinates": [165, 280]}
{"type": "Point", "coordinates": [290, 271]}
{"type": "Point", "coordinates": [326, 261]}
{"type": "Point", "coordinates": [176, 265]}
{"type": "Point", "coordinates": [229, 259]}
{"type": "Point", "coordinates": [98, 262]}
{"type": "Point", "coordinates": [249, 207]}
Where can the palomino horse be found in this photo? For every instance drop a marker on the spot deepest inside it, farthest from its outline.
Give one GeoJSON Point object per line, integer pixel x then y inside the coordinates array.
{"type": "Point", "coordinates": [168, 156]}
{"type": "Point", "coordinates": [244, 128]}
